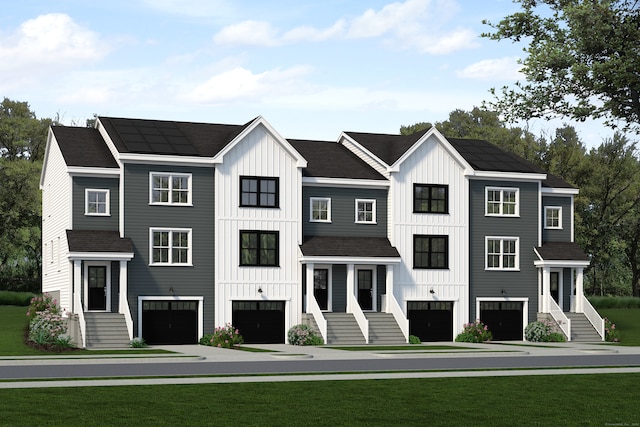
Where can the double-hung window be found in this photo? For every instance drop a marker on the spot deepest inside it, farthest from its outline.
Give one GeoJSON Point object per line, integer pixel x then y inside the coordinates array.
{"type": "Point", "coordinates": [430, 198]}
{"type": "Point", "coordinates": [169, 188]}
{"type": "Point", "coordinates": [259, 248]}
{"type": "Point", "coordinates": [430, 251]}
{"type": "Point", "coordinates": [96, 202]}
{"type": "Point", "coordinates": [502, 253]}
{"type": "Point", "coordinates": [553, 217]}
{"type": "Point", "coordinates": [320, 209]}
{"type": "Point", "coordinates": [502, 201]}
{"type": "Point", "coordinates": [170, 246]}
{"type": "Point", "coordinates": [260, 192]}
{"type": "Point", "coordinates": [365, 211]}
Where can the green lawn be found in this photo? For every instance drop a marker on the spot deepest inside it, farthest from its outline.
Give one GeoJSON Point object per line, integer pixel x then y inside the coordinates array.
{"type": "Point", "coordinates": [627, 321]}
{"type": "Point", "coordinates": [607, 399]}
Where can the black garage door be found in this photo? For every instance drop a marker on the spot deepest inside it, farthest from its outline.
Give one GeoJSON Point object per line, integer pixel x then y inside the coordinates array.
{"type": "Point", "coordinates": [170, 322]}
{"type": "Point", "coordinates": [503, 318]}
{"type": "Point", "coordinates": [431, 320]}
{"type": "Point", "coordinates": [259, 322]}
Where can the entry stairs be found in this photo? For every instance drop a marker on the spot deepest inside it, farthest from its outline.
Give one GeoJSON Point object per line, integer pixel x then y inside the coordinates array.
{"type": "Point", "coordinates": [581, 329]}
{"type": "Point", "coordinates": [342, 329]}
{"type": "Point", "coordinates": [106, 330]}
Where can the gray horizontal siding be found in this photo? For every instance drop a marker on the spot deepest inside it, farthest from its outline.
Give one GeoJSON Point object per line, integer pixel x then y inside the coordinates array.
{"type": "Point", "coordinates": [563, 235]}
{"type": "Point", "coordinates": [523, 283]}
{"type": "Point", "coordinates": [196, 280]}
{"type": "Point", "coordinates": [343, 207]}
{"type": "Point", "coordinates": [84, 222]}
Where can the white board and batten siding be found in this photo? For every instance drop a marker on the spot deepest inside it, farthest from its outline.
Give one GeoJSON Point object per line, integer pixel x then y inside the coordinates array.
{"type": "Point", "coordinates": [431, 163]}
{"type": "Point", "coordinates": [258, 154]}
{"type": "Point", "coordinates": [56, 189]}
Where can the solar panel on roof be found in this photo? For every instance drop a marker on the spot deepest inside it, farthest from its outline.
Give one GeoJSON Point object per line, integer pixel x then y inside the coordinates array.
{"type": "Point", "coordinates": [146, 136]}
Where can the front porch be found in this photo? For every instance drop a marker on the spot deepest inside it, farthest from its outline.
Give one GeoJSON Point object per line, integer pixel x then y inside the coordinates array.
{"type": "Point", "coordinates": [561, 294]}
{"type": "Point", "coordinates": [99, 307]}
{"type": "Point", "coordinates": [348, 285]}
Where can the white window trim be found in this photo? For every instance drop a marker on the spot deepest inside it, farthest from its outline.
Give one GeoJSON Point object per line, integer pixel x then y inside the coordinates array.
{"type": "Point", "coordinates": [501, 190]}
{"type": "Point", "coordinates": [107, 198]}
{"type": "Point", "coordinates": [319, 199]}
{"type": "Point", "coordinates": [171, 175]}
{"type": "Point", "coordinates": [546, 209]}
{"type": "Point", "coordinates": [502, 239]}
{"type": "Point", "coordinates": [170, 263]}
{"type": "Point", "coordinates": [373, 207]}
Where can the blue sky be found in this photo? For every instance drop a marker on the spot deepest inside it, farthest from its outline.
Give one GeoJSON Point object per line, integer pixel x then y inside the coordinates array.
{"type": "Point", "coordinates": [311, 68]}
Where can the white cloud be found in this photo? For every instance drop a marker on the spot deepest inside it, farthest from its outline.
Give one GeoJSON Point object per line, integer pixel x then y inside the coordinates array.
{"type": "Point", "coordinates": [239, 83]}
{"type": "Point", "coordinates": [493, 69]}
{"type": "Point", "coordinates": [47, 44]}
{"type": "Point", "coordinates": [256, 33]}
{"type": "Point", "coordinates": [413, 24]}
{"type": "Point", "coordinates": [192, 8]}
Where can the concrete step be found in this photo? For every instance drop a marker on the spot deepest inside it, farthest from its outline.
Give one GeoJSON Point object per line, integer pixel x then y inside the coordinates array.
{"type": "Point", "coordinates": [342, 329]}
{"type": "Point", "coordinates": [383, 329]}
{"type": "Point", "coordinates": [581, 329]}
{"type": "Point", "coordinates": [106, 330]}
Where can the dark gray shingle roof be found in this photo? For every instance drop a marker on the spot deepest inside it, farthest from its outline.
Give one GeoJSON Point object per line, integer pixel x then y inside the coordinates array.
{"type": "Point", "coordinates": [339, 246]}
{"type": "Point", "coordinates": [98, 241]}
{"type": "Point", "coordinates": [562, 251]}
{"type": "Point", "coordinates": [332, 160]}
{"type": "Point", "coordinates": [83, 147]}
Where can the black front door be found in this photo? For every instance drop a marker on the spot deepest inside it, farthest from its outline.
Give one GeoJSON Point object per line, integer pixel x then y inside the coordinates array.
{"type": "Point", "coordinates": [97, 298]}
{"type": "Point", "coordinates": [321, 287]}
{"type": "Point", "coordinates": [365, 289]}
{"type": "Point", "coordinates": [554, 286]}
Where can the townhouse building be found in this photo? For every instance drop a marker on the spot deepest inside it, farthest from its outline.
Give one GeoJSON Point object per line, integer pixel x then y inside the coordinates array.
{"type": "Point", "coordinates": [165, 230]}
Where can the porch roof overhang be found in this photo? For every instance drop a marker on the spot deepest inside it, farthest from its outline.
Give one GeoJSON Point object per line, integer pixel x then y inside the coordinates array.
{"type": "Point", "coordinates": [561, 254]}
{"type": "Point", "coordinates": [348, 250]}
{"type": "Point", "coordinates": [98, 245]}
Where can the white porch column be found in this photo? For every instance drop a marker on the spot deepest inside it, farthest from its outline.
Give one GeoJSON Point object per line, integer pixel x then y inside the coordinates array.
{"type": "Point", "coordinates": [124, 287]}
{"type": "Point", "coordinates": [77, 285]}
{"type": "Point", "coordinates": [350, 285]}
{"type": "Point", "coordinates": [389, 286]}
{"type": "Point", "coordinates": [579, 289]}
{"type": "Point", "coordinates": [546, 288]}
{"type": "Point", "coordinates": [309, 274]}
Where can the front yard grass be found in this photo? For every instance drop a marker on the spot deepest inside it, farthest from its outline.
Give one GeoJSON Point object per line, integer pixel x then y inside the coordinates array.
{"type": "Point", "coordinates": [627, 321]}
{"type": "Point", "coordinates": [496, 401]}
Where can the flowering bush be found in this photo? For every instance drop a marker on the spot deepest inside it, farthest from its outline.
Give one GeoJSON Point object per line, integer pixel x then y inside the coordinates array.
{"type": "Point", "coordinates": [475, 332]}
{"type": "Point", "coordinates": [303, 335]}
{"type": "Point", "coordinates": [611, 334]}
{"type": "Point", "coordinates": [47, 327]}
{"type": "Point", "coordinates": [224, 337]}
{"type": "Point", "coordinates": [45, 302]}
{"type": "Point", "coordinates": [543, 331]}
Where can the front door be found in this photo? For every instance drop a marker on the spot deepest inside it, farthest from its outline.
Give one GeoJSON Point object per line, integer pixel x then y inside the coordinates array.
{"type": "Point", "coordinates": [321, 287]}
{"type": "Point", "coordinates": [554, 286]}
{"type": "Point", "coordinates": [97, 287]}
{"type": "Point", "coordinates": [365, 289]}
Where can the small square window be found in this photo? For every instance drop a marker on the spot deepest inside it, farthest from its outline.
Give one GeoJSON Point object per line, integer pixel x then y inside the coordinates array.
{"type": "Point", "coordinates": [320, 209]}
{"type": "Point", "coordinates": [96, 202]}
{"type": "Point", "coordinates": [259, 248]}
{"type": "Point", "coordinates": [553, 217]}
{"type": "Point", "coordinates": [365, 211]}
{"type": "Point", "coordinates": [430, 251]}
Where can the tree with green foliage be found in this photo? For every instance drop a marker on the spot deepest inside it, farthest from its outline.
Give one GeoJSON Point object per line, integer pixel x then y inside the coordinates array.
{"type": "Point", "coordinates": [582, 61]}
{"type": "Point", "coordinates": [608, 212]}
{"type": "Point", "coordinates": [22, 143]}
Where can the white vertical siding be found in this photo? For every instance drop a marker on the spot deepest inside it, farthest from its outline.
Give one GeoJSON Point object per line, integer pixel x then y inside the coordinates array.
{"type": "Point", "coordinates": [56, 219]}
{"type": "Point", "coordinates": [431, 163]}
{"type": "Point", "coordinates": [259, 154]}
